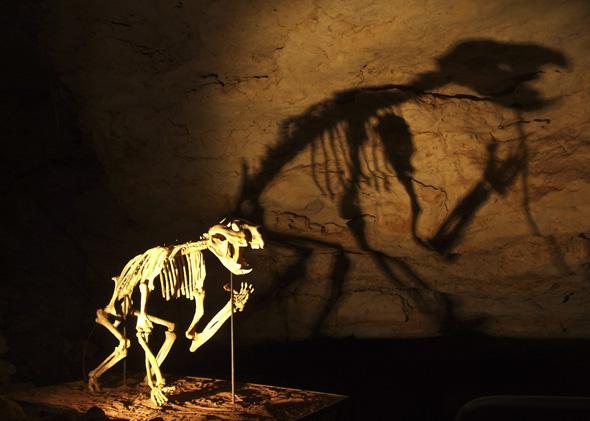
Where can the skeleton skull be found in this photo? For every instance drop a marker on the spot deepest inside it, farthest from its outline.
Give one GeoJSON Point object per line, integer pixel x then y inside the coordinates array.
{"type": "Point", "coordinates": [226, 240]}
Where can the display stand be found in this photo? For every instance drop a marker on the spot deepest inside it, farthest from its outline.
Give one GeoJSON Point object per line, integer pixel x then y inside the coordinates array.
{"type": "Point", "coordinates": [194, 398]}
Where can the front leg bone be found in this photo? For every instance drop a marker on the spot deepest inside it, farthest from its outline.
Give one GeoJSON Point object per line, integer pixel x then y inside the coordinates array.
{"type": "Point", "coordinates": [199, 297]}
{"type": "Point", "coordinates": [143, 323]}
{"type": "Point", "coordinates": [170, 336]}
{"type": "Point", "coordinates": [144, 326]}
{"type": "Point", "coordinates": [240, 298]}
{"type": "Point", "coordinates": [154, 376]}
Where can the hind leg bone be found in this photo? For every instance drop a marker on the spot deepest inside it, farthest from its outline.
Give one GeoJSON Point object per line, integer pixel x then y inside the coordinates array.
{"type": "Point", "coordinates": [117, 355]}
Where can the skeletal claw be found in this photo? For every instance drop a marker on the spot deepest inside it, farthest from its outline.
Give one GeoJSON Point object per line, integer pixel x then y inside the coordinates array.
{"type": "Point", "coordinates": [157, 395]}
{"type": "Point", "coordinates": [93, 385]}
{"type": "Point", "coordinates": [241, 296]}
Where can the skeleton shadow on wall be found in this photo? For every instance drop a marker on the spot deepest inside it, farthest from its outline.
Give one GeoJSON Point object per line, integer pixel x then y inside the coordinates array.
{"type": "Point", "coordinates": [339, 132]}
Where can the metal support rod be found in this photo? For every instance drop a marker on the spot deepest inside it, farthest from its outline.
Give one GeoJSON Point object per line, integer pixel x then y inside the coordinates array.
{"type": "Point", "coordinates": [125, 310]}
{"type": "Point", "coordinates": [231, 297]}
{"type": "Point", "coordinates": [125, 360]}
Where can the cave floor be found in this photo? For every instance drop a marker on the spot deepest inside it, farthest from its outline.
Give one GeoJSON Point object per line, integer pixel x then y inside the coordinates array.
{"type": "Point", "coordinates": [193, 398]}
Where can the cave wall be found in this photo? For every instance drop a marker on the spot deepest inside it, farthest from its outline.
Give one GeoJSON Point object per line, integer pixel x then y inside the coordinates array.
{"type": "Point", "coordinates": [419, 167]}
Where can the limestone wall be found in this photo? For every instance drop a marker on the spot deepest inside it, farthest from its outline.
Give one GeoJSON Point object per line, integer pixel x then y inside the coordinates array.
{"type": "Point", "coordinates": [419, 167]}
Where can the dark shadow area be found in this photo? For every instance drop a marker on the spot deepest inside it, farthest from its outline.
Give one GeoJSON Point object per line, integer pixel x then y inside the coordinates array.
{"type": "Point", "coordinates": [51, 186]}
{"type": "Point", "coordinates": [45, 412]}
{"type": "Point", "coordinates": [413, 379]}
{"type": "Point", "coordinates": [526, 408]}
{"type": "Point", "coordinates": [337, 132]}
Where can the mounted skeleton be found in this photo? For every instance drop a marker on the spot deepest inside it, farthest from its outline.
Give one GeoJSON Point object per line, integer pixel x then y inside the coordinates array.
{"type": "Point", "coordinates": [181, 272]}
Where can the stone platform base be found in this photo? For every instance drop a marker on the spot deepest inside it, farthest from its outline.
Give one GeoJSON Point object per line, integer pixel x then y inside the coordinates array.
{"type": "Point", "coordinates": [194, 398]}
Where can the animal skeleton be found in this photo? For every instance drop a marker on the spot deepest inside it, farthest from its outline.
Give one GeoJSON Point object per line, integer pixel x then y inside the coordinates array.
{"type": "Point", "coordinates": [181, 272]}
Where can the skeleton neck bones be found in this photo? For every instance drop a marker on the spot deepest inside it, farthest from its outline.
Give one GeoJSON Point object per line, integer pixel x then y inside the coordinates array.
{"type": "Point", "coordinates": [181, 272]}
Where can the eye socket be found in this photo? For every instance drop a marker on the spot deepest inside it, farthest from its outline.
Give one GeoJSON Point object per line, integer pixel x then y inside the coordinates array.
{"type": "Point", "coordinates": [230, 250]}
{"type": "Point", "coordinates": [219, 237]}
{"type": "Point", "coordinates": [248, 235]}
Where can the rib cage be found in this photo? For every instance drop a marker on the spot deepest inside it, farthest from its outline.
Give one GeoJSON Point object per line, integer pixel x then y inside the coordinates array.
{"type": "Point", "coordinates": [180, 272]}
{"type": "Point", "coordinates": [342, 149]}
{"type": "Point", "coordinates": [182, 275]}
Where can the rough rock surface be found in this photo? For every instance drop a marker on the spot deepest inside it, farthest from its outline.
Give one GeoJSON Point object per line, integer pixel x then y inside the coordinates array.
{"type": "Point", "coordinates": [333, 123]}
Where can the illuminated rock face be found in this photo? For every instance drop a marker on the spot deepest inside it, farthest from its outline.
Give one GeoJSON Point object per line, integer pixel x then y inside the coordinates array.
{"type": "Point", "coordinates": [339, 123]}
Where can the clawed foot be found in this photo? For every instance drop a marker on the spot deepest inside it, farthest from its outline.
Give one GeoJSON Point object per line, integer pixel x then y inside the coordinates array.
{"type": "Point", "coordinates": [119, 353]}
{"type": "Point", "coordinates": [157, 395]}
{"type": "Point", "coordinates": [93, 385]}
{"type": "Point", "coordinates": [241, 296]}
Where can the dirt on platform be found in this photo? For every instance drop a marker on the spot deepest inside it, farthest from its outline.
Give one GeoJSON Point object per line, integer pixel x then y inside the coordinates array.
{"type": "Point", "coordinates": [192, 398]}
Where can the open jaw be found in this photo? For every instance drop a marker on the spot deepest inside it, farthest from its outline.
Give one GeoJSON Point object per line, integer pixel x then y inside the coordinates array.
{"type": "Point", "coordinates": [240, 255]}
{"type": "Point", "coordinates": [230, 240]}
{"type": "Point", "coordinates": [237, 262]}
{"type": "Point", "coordinates": [244, 265]}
